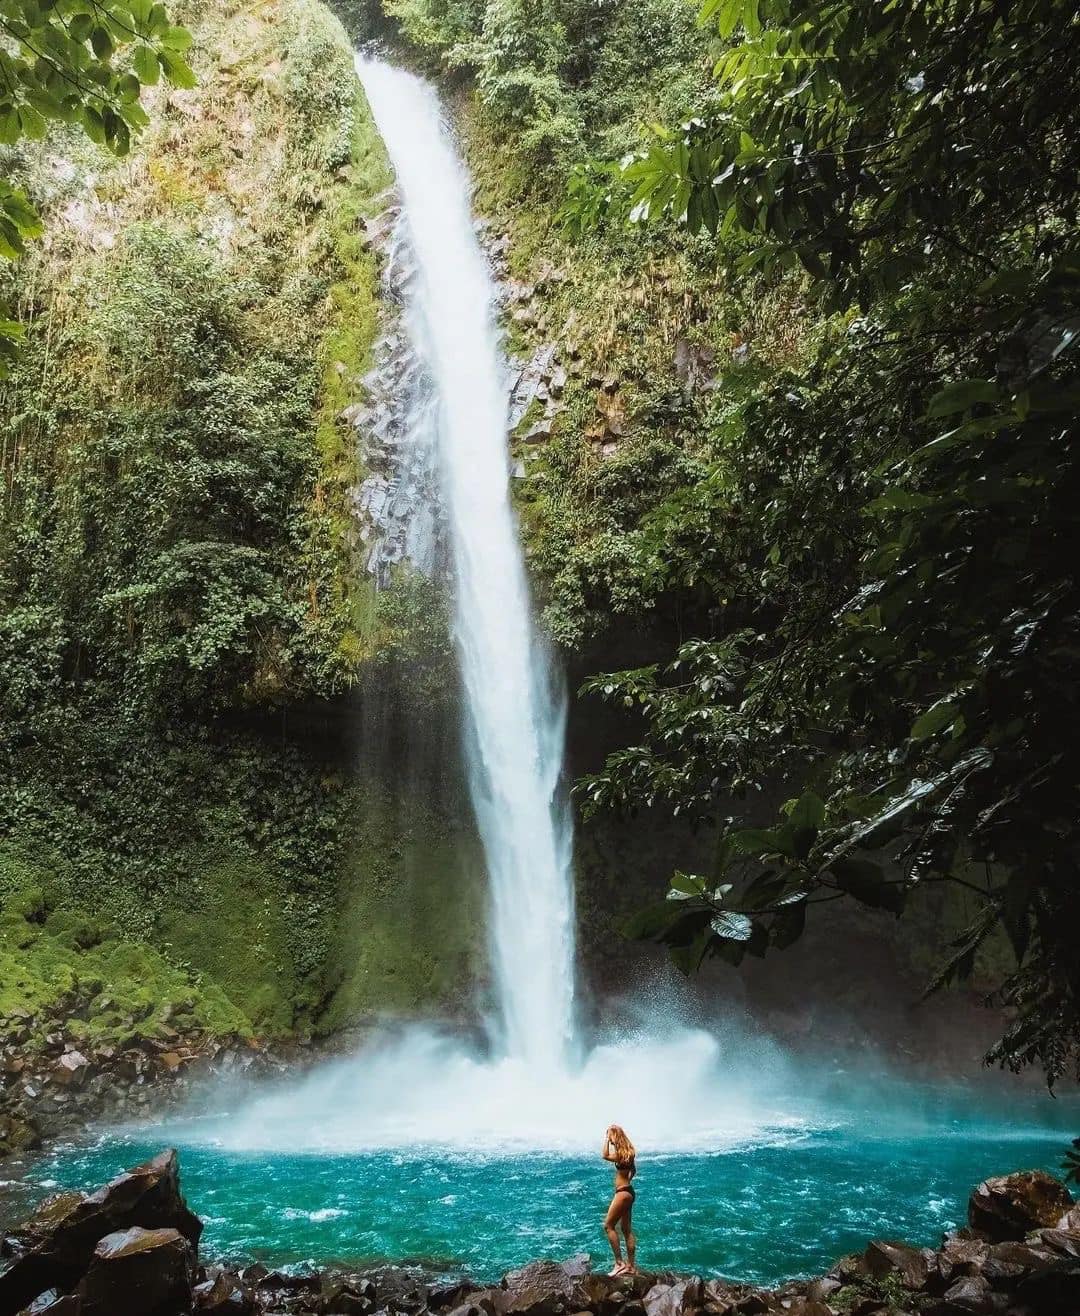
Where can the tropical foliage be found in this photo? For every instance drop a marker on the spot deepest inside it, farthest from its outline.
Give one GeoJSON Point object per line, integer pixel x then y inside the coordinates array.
{"type": "Point", "coordinates": [81, 62]}
{"type": "Point", "coordinates": [883, 577]}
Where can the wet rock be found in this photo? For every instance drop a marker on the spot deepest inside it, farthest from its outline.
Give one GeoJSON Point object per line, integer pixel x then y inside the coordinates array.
{"type": "Point", "coordinates": [224, 1296]}
{"type": "Point", "coordinates": [60, 1237]}
{"type": "Point", "coordinates": [538, 433]}
{"type": "Point", "coordinates": [17, 1135]}
{"type": "Point", "coordinates": [972, 1294]}
{"type": "Point", "coordinates": [54, 1303]}
{"type": "Point", "coordinates": [884, 1258]}
{"type": "Point", "coordinates": [540, 1289]}
{"type": "Point", "coordinates": [673, 1299]}
{"type": "Point", "coordinates": [349, 1299]}
{"type": "Point", "coordinates": [1010, 1206]}
{"type": "Point", "coordinates": [139, 1272]}
{"type": "Point", "coordinates": [1052, 1290]}
{"type": "Point", "coordinates": [278, 1281]}
{"type": "Point", "coordinates": [1062, 1242]}
{"type": "Point", "coordinates": [965, 1255]}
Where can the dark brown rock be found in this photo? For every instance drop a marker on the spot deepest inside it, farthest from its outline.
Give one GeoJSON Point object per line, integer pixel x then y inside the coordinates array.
{"type": "Point", "coordinates": [446, 1297]}
{"type": "Point", "coordinates": [224, 1296]}
{"type": "Point", "coordinates": [972, 1294]}
{"type": "Point", "coordinates": [965, 1255]}
{"type": "Point", "coordinates": [1062, 1242]}
{"type": "Point", "coordinates": [672, 1299]}
{"type": "Point", "coordinates": [884, 1258]}
{"type": "Point", "coordinates": [60, 1237]}
{"type": "Point", "coordinates": [1052, 1290]}
{"type": "Point", "coordinates": [849, 1268]}
{"type": "Point", "coordinates": [540, 1289]}
{"type": "Point", "coordinates": [278, 1281]}
{"type": "Point", "coordinates": [351, 1299]}
{"type": "Point", "coordinates": [54, 1303]}
{"type": "Point", "coordinates": [139, 1272]}
{"type": "Point", "coordinates": [1010, 1206]}
{"type": "Point", "coordinates": [1024, 1255]}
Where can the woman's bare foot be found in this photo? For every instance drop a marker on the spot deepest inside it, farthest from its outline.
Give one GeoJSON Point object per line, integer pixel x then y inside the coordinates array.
{"type": "Point", "coordinates": [620, 1268]}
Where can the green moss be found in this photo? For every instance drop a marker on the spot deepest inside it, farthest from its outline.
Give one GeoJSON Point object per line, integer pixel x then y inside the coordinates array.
{"type": "Point", "coordinates": [231, 929]}
{"type": "Point", "coordinates": [408, 931]}
{"type": "Point", "coordinates": [106, 989]}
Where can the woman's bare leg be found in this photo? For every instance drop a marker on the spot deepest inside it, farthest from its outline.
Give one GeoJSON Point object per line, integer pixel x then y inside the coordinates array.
{"type": "Point", "coordinates": [614, 1213]}
{"type": "Point", "coordinates": [631, 1239]}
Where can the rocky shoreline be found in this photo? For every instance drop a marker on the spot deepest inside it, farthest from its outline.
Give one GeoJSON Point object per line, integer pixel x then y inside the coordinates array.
{"type": "Point", "coordinates": [132, 1249]}
{"type": "Point", "coordinates": [57, 1090]}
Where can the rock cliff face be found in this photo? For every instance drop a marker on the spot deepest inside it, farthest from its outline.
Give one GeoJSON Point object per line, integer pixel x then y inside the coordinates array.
{"type": "Point", "coordinates": [131, 1249]}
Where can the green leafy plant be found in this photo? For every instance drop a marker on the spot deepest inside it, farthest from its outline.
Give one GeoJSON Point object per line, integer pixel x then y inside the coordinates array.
{"type": "Point", "coordinates": [882, 577]}
{"type": "Point", "coordinates": [81, 62]}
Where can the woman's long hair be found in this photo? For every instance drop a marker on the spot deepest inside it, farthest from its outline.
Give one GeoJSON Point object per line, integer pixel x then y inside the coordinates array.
{"type": "Point", "coordinates": [625, 1153]}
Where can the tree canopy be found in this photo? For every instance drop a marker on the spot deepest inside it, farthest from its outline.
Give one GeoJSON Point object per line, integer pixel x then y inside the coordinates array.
{"type": "Point", "coordinates": [883, 575]}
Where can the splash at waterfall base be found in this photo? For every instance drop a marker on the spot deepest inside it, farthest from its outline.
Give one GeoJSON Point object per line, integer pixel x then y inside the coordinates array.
{"type": "Point", "coordinates": [132, 1249]}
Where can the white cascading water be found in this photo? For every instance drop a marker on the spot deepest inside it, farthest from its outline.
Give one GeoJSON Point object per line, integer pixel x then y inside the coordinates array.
{"type": "Point", "coordinates": [672, 1085]}
{"type": "Point", "coordinates": [515, 717]}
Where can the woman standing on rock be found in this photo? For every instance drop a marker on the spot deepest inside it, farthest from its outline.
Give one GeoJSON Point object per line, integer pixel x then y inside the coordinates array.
{"type": "Point", "coordinates": [618, 1148]}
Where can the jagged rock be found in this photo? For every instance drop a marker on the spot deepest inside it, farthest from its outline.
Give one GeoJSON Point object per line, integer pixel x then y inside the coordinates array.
{"type": "Point", "coordinates": [972, 1293]}
{"type": "Point", "coordinates": [54, 1303]}
{"type": "Point", "coordinates": [349, 1299]}
{"type": "Point", "coordinates": [1025, 1255]}
{"type": "Point", "coordinates": [17, 1135]}
{"type": "Point", "coordinates": [1071, 1219]}
{"type": "Point", "coordinates": [60, 1237]}
{"type": "Point", "coordinates": [849, 1268]}
{"type": "Point", "coordinates": [449, 1296]}
{"type": "Point", "coordinates": [540, 1289]}
{"type": "Point", "coordinates": [278, 1281]}
{"type": "Point", "coordinates": [1010, 1206]}
{"type": "Point", "coordinates": [71, 1068]}
{"type": "Point", "coordinates": [965, 1255]}
{"type": "Point", "coordinates": [224, 1296]}
{"type": "Point", "coordinates": [673, 1299]}
{"type": "Point", "coordinates": [1062, 1242]}
{"type": "Point", "coordinates": [821, 1290]}
{"type": "Point", "coordinates": [538, 433]}
{"type": "Point", "coordinates": [1052, 1290]}
{"type": "Point", "coordinates": [886, 1258]}
{"type": "Point", "coordinates": [139, 1272]}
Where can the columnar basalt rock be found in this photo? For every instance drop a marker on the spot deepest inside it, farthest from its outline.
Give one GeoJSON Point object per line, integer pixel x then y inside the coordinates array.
{"type": "Point", "coordinates": [131, 1249]}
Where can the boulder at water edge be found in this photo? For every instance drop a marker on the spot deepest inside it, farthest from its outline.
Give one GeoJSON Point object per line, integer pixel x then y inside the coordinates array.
{"type": "Point", "coordinates": [1012, 1205]}
{"type": "Point", "coordinates": [55, 1247]}
{"type": "Point", "coordinates": [139, 1272]}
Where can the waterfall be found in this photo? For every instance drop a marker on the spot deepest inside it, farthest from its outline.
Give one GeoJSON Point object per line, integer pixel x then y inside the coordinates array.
{"type": "Point", "coordinates": [647, 1066]}
{"type": "Point", "coordinates": [514, 705]}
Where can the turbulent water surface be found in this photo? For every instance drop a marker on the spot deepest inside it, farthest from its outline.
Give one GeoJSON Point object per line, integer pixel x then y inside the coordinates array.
{"type": "Point", "coordinates": [765, 1207]}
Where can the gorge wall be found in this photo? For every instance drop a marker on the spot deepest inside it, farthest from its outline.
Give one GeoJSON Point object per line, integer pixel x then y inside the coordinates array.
{"type": "Point", "coordinates": [228, 798]}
